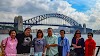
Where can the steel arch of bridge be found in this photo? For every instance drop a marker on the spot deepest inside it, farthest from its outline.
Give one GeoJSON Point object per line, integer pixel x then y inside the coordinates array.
{"type": "Point", "coordinates": [39, 18]}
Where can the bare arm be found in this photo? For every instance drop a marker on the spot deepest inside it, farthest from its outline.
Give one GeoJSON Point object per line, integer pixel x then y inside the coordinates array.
{"type": "Point", "coordinates": [82, 44]}
{"type": "Point", "coordinates": [53, 45]}
{"type": "Point", "coordinates": [93, 52]}
{"type": "Point", "coordinates": [75, 46]}
{"type": "Point", "coordinates": [2, 49]}
{"type": "Point", "coordinates": [43, 54]}
{"type": "Point", "coordinates": [79, 47]}
{"type": "Point", "coordinates": [68, 54]}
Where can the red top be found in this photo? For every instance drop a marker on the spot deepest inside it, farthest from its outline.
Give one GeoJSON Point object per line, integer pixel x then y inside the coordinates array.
{"type": "Point", "coordinates": [77, 41]}
{"type": "Point", "coordinates": [90, 45]}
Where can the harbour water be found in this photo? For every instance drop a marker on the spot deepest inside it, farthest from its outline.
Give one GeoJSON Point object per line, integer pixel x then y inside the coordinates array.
{"type": "Point", "coordinates": [96, 37]}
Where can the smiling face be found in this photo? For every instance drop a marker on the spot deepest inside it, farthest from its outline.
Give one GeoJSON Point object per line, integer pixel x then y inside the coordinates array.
{"type": "Point", "coordinates": [13, 34]}
{"type": "Point", "coordinates": [39, 34]}
{"type": "Point", "coordinates": [27, 32]}
{"type": "Point", "coordinates": [77, 34]}
{"type": "Point", "coordinates": [90, 35]}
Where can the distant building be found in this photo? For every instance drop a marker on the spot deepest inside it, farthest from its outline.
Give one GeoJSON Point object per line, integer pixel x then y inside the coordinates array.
{"type": "Point", "coordinates": [96, 31]}
{"type": "Point", "coordinates": [67, 30]}
{"type": "Point", "coordinates": [82, 29]}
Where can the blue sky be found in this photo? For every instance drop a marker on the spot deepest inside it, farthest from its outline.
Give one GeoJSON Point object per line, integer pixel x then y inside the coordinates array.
{"type": "Point", "coordinates": [82, 5]}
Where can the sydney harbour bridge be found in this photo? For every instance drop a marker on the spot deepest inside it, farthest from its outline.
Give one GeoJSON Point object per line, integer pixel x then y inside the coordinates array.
{"type": "Point", "coordinates": [52, 19]}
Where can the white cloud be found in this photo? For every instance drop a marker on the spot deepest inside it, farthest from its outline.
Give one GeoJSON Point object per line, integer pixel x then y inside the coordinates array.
{"type": "Point", "coordinates": [7, 17]}
{"type": "Point", "coordinates": [94, 16]}
{"type": "Point", "coordinates": [18, 3]}
{"type": "Point", "coordinates": [31, 8]}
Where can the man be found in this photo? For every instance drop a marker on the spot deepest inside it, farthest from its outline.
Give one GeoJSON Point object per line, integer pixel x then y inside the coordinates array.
{"type": "Point", "coordinates": [63, 44]}
{"type": "Point", "coordinates": [24, 41]}
{"type": "Point", "coordinates": [52, 41]}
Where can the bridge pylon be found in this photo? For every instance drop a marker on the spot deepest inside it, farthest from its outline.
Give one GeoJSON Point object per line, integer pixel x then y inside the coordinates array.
{"type": "Point", "coordinates": [18, 23]}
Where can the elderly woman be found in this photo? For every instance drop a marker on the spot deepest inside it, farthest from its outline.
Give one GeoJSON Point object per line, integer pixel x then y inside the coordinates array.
{"type": "Point", "coordinates": [90, 45]}
{"type": "Point", "coordinates": [8, 45]}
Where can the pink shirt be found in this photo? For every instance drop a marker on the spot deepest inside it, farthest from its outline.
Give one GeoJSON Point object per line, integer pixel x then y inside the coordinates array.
{"type": "Point", "coordinates": [11, 45]}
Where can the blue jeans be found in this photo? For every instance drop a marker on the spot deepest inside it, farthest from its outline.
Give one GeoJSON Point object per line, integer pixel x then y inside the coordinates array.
{"type": "Point", "coordinates": [38, 54]}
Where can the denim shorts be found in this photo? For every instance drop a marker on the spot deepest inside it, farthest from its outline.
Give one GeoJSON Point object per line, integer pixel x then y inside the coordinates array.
{"type": "Point", "coordinates": [38, 53]}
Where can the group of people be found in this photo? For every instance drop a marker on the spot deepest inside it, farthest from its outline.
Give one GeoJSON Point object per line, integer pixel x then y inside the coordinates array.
{"type": "Point", "coordinates": [49, 45]}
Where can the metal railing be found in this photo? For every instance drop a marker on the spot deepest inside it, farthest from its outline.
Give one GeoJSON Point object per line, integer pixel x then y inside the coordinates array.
{"type": "Point", "coordinates": [97, 50]}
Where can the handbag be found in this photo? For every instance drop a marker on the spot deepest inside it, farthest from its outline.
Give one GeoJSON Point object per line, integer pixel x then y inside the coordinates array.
{"type": "Point", "coordinates": [0, 53]}
{"type": "Point", "coordinates": [72, 52]}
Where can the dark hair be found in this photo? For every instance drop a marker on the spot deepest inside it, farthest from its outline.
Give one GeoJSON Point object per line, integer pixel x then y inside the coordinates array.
{"type": "Point", "coordinates": [39, 31]}
{"type": "Point", "coordinates": [78, 33]}
{"type": "Point", "coordinates": [49, 28]}
{"type": "Point", "coordinates": [27, 28]}
{"type": "Point", "coordinates": [63, 31]}
{"type": "Point", "coordinates": [12, 31]}
{"type": "Point", "coordinates": [90, 34]}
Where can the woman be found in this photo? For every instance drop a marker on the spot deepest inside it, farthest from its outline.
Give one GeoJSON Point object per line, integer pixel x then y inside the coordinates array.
{"type": "Point", "coordinates": [39, 44]}
{"type": "Point", "coordinates": [8, 45]}
{"type": "Point", "coordinates": [78, 43]}
{"type": "Point", "coordinates": [90, 45]}
{"type": "Point", "coordinates": [63, 44]}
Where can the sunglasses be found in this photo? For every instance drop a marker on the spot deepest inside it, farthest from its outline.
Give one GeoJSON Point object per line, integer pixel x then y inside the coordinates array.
{"type": "Point", "coordinates": [89, 35]}
{"type": "Point", "coordinates": [39, 32]}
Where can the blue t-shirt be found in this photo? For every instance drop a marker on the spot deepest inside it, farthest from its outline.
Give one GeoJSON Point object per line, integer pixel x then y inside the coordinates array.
{"type": "Point", "coordinates": [39, 44]}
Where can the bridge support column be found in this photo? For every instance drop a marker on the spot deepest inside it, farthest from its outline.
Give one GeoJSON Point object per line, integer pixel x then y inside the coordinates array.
{"type": "Point", "coordinates": [84, 26]}
{"type": "Point", "coordinates": [18, 23]}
